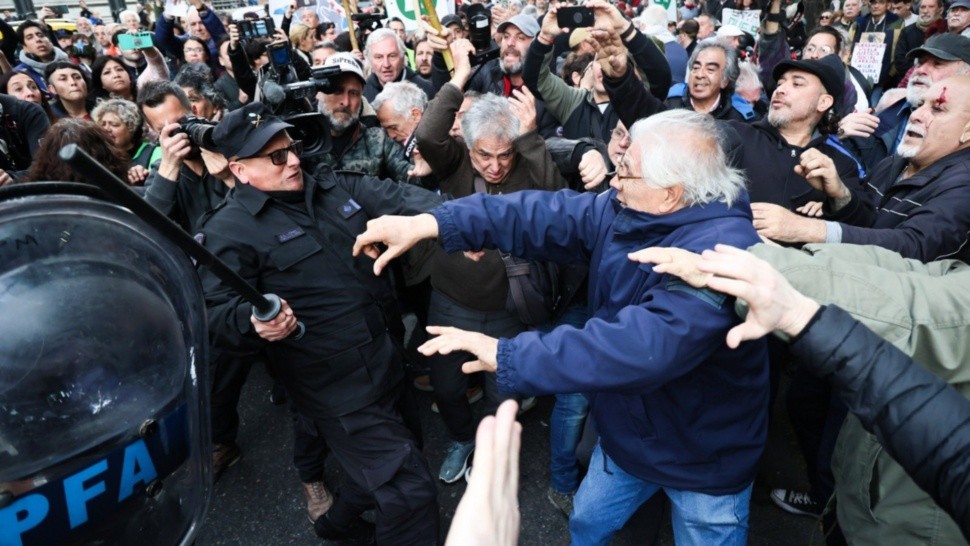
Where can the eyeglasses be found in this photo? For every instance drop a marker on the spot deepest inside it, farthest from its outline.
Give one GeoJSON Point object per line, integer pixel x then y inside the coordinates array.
{"type": "Point", "coordinates": [279, 157]}
{"type": "Point", "coordinates": [620, 134]}
{"type": "Point", "coordinates": [824, 50]}
{"type": "Point", "coordinates": [193, 50]}
{"type": "Point", "coordinates": [824, 16]}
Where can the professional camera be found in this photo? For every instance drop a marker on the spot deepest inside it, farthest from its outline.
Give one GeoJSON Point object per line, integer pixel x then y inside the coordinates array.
{"type": "Point", "coordinates": [480, 35]}
{"type": "Point", "coordinates": [199, 131]}
{"type": "Point", "coordinates": [294, 102]}
{"type": "Point", "coordinates": [321, 81]}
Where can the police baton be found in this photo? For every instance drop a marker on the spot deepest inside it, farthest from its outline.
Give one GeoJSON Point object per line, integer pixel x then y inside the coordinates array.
{"type": "Point", "coordinates": [265, 306]}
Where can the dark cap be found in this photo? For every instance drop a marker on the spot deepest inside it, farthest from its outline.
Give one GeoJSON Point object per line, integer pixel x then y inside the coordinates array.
{"type": "Point", "coordinates": [244, 131]}
{"type": "Point", "coordinates": [829, 69]}
{"type": "Point", "coordinates": [946, 47]}
{"type": "Point", "coordinates": [451, 19]}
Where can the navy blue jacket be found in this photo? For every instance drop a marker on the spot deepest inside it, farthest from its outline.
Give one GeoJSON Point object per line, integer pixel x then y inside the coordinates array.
{"type": "Point", "coordinates": [673, 404]}
{"type": "Point", "coordinates": [925, 217]}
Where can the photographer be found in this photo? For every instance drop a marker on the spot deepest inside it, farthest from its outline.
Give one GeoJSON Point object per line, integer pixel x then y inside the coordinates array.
{"type": "Point", "coordinates": [251, 78]}
{"type": "Point", "coordinates": [189, 180]}
{"type": "Point", "coordinates": [502, 75]}
{"type": "Point", "coordinates": [581, 110]}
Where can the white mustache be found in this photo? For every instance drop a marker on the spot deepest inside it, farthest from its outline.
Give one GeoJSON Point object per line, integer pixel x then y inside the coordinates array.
{"type": "Point", "coordinates": [921, 80]}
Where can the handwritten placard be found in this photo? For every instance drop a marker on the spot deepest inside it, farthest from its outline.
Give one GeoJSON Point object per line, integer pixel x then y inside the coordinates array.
{"type": "Point", "coordinates": [867, 58]}
{"type": "Point", "coordinates": [747, 20]}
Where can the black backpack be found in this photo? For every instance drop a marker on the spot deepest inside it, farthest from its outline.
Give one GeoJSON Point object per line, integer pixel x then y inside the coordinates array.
{"type": "Point", "coordinates": [533, 289]}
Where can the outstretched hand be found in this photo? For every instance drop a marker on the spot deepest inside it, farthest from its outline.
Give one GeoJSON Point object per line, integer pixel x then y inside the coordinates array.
{"type": "Point", "coordinates": [675, 261]}
{"type": "Point", "coordinates": [398, 233]}
{"type": "Point", "coordinates": [773, 303]}
{"type": "Point", "coordinates": [450, 340]}
{"type": "Point", "coordinates": [489, 510]}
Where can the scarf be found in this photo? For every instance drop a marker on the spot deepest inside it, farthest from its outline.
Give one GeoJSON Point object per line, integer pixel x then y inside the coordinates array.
{"type": "Point", "coordinates": [39, 66]}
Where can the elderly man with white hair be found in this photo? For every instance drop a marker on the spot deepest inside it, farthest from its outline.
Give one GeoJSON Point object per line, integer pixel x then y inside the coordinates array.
{"type": "Point", "coordinates": [675, 407]}
{"type": "Point", "coordinates": [387, 56]}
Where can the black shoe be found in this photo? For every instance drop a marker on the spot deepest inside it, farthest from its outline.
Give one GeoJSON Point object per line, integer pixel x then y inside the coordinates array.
{"type": "Point", "coordinates": [359, 533]}
{"type": "Point", "coordinates": [796, 502]}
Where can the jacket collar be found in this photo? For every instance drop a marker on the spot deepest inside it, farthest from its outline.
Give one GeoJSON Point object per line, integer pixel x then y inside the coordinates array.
{"type": "Point", "coordinates": [931, 172]}
{"type": "Point", "coordinates": [255, 200]}
{"type": "Point", "coordinates": [762, 124]}
{"type": "Point", "coordinates": [629, 223]}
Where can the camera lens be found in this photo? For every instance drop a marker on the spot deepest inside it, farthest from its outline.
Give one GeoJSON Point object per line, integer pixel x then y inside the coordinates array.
{"type": "Point", "coordinates": [577, 17]}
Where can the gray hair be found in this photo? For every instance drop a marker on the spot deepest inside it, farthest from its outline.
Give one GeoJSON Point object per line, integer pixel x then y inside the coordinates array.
{"type": "Point", "coordinates": [748, 78]}
{"type": "Point", "coordinates": [490, 115]}
{"type": "Point", "coordinates": [731, 69]}
{"type": "Point", "coordinates": [127, 12]}
{"type": "Point", "coordinates": [402, 97]}
{"type": "Point", "coordinates": [126, 111]}
{"type": "Point", "coordinates": [684, 147]}
{"type": "Point", "coordinates": [379, 36]}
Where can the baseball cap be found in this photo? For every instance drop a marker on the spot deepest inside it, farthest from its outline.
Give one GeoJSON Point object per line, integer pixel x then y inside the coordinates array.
{"type": "Point", "coordinates": [946, 47]}
{"type": "Point", "coordinates": [727, 31]}
{"type": "Point", "coordinates": [244, 131]}
{"type": "Point", "coordinates": [829, 69]}
{"type": "Point", "coordinates": [578, 36]}
{"type": "Point", "coordinates": [525, 23]}
{"type": "Point", "coordinates": [960, 4]}
{"type": "Point", "coordinates": [451, 19]}
{"type": "Point", "coordinates": [347, 63]}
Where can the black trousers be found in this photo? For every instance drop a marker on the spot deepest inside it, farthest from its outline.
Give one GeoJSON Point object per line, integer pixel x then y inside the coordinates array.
{"type": "Point", "coordinates": [382, 460]}
{"type": "Point", "coordinates": [816, 417]}
{"type": "Point", "coordinates": [227, 375]}
{"type": "Point", "coordinates": [447, 378]}
{"type": "Point", "coordinates": [310, 449]}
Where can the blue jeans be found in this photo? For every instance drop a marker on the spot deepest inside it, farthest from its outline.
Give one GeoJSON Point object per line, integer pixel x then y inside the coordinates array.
{"type": "Point", "coordinates": [608, 497]}
{"type": "Point", "coordinates": [567, 420]}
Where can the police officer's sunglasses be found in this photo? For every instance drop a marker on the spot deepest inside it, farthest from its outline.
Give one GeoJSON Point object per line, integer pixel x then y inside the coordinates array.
{"type": "Point", "coordinates": [279, 157]}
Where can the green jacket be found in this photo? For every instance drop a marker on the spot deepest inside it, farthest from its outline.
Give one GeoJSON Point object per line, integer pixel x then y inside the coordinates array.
{"type": "Point", "coordinates": [371, 152]}
{"type": "Point", "coordinates": [924, 310]}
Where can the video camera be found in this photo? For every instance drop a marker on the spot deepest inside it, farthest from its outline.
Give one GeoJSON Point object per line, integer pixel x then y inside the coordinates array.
{"type": "Point", "coordinates": [480, 35]}
{"type": "Point", "coordinates": [293, 101]}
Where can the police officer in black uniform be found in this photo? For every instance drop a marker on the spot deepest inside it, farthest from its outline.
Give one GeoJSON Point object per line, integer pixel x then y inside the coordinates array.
{"type": "Point", "coordinates": [291, 234]}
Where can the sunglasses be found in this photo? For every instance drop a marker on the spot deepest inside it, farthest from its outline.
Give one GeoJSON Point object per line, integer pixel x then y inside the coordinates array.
{"type": "Point", "coordinates": [279, 157]}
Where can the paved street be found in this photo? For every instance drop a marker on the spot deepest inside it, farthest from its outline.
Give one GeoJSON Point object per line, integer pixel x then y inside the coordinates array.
{"type": "Point", "coordinates": [259, 500]}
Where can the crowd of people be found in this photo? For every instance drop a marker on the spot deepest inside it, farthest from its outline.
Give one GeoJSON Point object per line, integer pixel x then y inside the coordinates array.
{"type": "Point", "coordinates": [561, 211]}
